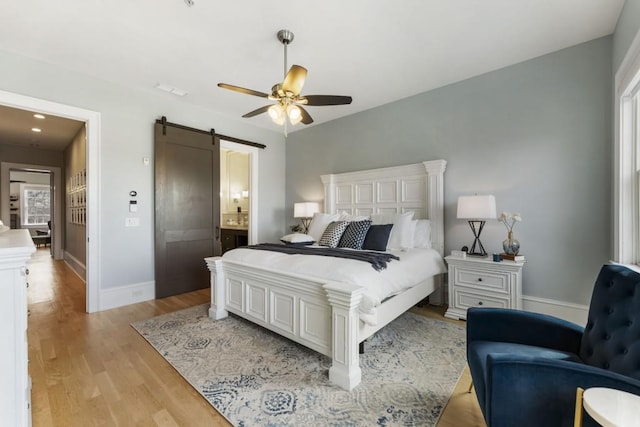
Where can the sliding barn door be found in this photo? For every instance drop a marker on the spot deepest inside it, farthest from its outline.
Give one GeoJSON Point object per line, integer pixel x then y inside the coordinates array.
{"type": "Point", "coordinates": [187, 208]}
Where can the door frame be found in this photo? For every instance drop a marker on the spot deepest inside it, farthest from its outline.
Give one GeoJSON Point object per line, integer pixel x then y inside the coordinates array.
{"type": "Point", "coordinates": [253, 187]}
{"type": "Point", "coordinates": [92, 121]}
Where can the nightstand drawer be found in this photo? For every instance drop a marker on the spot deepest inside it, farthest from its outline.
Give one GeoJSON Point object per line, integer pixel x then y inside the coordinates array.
{"type": "Point", "coordinates": [469, 299]}
{"type": "Point", "coordinates": [491, 281]}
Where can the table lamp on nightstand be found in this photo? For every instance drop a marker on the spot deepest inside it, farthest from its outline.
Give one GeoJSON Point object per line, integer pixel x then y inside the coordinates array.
{"type": "Point", "coordinates": [305, 211]}
{"type": "Point", "coordinates": [476, 209]}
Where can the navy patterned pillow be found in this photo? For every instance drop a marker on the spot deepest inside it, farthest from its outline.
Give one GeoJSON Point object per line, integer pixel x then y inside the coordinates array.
{"type": "Point", "coordinates": [353, 236]}
{"type": "Point", "coordinates": [332, 234]}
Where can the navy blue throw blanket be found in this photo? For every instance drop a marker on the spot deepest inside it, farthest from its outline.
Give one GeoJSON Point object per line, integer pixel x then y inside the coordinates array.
{"type": "Point", "coordinates": [378, 260]}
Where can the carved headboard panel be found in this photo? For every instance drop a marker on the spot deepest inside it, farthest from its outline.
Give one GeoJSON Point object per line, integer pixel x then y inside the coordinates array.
{"type": "Point", "coordinates": [417, 187]}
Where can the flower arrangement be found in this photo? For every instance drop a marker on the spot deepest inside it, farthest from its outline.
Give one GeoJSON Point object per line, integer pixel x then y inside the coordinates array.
{"type": "Point", "coordinates": [511, 246]}
{"type": "Point", "coordinates": [509, 220]}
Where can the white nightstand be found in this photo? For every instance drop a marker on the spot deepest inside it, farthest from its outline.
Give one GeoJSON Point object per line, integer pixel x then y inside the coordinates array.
{"type": "Point", "coordinates": [481, 282]}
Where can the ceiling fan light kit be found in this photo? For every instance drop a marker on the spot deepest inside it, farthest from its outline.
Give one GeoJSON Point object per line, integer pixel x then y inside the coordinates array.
{"type": "Point", "coordinates": [287, 96]}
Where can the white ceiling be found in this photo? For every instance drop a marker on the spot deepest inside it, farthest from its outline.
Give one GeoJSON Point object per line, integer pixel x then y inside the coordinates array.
{"type": "Point", "coordinates": [376, 51]}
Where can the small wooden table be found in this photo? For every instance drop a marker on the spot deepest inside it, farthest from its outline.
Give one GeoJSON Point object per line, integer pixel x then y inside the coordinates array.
{"type": "Point", "coordinates": [612, 408]}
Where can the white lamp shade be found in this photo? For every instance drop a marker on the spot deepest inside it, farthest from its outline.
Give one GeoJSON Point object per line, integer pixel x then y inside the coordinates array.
{"type": "Point", "coordinates": [305, 209]}
{"type": "Point", "coordinates": [477, 207]}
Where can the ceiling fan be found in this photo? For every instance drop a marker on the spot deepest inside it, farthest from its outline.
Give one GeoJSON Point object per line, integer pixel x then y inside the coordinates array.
{"type": "Point", "coordinates": [289, 101]}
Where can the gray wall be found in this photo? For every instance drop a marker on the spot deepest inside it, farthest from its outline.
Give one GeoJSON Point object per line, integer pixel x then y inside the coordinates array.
{"type": "Point", "coordinates": [537, 135]}
{"type": "Point", "coordinates": [75, 235]}
{"type": "Point", "coordinates": [127, 117]}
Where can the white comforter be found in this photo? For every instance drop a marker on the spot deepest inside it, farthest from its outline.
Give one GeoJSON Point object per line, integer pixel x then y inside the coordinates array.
{"type": "Point", "coordinates": [415, 266]}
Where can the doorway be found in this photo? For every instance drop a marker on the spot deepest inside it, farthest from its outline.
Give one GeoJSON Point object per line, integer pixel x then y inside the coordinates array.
{"type": "Point", "coordinates": [92, 121]}
{"type": "Point", "coordinates": [6, 203]}
{"type": "Point", "coordinates": [31, 203]}
{"type": "Point", "coordinates": [234, 199]}
{"type": "Point", "coordinates": [247, 201]}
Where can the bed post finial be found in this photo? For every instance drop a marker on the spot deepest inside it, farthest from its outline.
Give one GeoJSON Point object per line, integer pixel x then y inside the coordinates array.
{"type": "Point", "coordinates": [217, 310]}
{"type": "Point", "coordinates": [435, 204]}
{"type": "Point", "coordinates": [329, 182]}
{"type": "Point", "coordinates": [344, 299]}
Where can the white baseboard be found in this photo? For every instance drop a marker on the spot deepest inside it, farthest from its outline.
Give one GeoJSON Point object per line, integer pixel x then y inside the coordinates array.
{"type": "Point", "coordinates": [125, 295]}
{"type": "Point", "coordinates": [76, 265]}
{"type": "Point", "coordinates": [575, 313]}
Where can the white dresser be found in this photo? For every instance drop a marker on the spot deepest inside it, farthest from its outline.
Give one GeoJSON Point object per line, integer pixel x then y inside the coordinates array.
{"type": "Point", "coordinates": [481, 282]}
{"type": "Point", "coordinates": [16, 248]}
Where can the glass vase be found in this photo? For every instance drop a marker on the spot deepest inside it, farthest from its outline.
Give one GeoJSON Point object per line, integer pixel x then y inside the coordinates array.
{"type": "Point", "coordinates": [511, 245]}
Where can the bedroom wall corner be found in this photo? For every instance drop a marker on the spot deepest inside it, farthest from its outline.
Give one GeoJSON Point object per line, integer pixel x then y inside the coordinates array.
{"type": "Point", "coordinates": [537, 135]}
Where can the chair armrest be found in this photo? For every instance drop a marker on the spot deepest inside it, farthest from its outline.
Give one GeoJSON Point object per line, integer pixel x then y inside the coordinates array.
{"type": "Point", "coordinates": [522, 327]}
{"type": "Point", "coordinates": [542, 392]}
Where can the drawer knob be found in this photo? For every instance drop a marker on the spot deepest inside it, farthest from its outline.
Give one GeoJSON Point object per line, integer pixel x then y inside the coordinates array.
{"type": "Point", "coordinates": [479, 279]}
{"type": "Point", "coordinates": [479, 302]}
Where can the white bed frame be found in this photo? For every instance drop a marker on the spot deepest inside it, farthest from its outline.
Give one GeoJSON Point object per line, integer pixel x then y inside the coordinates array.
{"type": "Point", "coordinates": [323, 315]}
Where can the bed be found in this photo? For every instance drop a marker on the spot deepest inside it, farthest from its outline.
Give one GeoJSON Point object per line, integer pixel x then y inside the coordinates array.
{"type": "Point", "coordinates": [325, 313]}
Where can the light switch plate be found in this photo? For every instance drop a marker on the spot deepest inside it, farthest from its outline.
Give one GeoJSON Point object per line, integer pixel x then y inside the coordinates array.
{"type": "Point", "coordinates": [132, 222]}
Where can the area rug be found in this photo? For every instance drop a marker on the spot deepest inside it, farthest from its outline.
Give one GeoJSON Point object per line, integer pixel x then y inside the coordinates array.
{"type": "Point", "coordinates": [254, 377]}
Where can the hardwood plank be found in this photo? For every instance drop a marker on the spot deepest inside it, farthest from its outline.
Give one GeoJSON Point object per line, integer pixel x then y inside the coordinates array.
{"type": "Point", "coordinates": [95, 369]}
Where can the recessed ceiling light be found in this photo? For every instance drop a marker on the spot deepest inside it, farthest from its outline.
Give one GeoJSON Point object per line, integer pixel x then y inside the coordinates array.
{"type": "Point", "coordinates": [36, 129]}
{"type": "Point", "coordinates": [38, 116]}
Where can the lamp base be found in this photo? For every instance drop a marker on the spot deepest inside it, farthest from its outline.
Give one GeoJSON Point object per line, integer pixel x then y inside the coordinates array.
{"type": "Point", "coordinates": [305, 225]}
{"type": "Point", "coordinates": [476, 227]}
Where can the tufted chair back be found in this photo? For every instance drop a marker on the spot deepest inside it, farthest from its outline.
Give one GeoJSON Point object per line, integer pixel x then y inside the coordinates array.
{"type": "Point", "coordinates": [611, 339]}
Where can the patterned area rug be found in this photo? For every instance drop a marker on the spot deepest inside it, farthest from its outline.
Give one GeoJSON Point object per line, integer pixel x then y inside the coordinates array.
{"type": "Point", "coordinates": [256, 378]}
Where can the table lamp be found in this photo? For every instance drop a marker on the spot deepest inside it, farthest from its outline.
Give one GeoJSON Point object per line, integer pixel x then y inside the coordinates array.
{"type": "Point", "coordinates": [476, 209]}
{"type": "Point", "coordinates": [305, 211]}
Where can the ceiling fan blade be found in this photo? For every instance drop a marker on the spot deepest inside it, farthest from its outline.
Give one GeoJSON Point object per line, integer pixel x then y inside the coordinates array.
{"type": "Point", "coordinates": [327, 99]}
{"type": "Point", "coordinates": [306, 118]}
{"type": "Point", "coordinates": [294, 79]}
{"type": "Point", "coordinates": [243, 90]}
{"type": "Point", "coordinates": [257, 111]}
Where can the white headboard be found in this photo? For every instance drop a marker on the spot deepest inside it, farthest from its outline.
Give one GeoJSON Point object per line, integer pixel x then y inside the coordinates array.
{"type": "Point", "coordinates": [417, 187]}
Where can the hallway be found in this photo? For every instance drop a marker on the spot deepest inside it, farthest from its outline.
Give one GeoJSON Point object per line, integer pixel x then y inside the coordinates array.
{"type": "Point", "coordinates": [94, 369]}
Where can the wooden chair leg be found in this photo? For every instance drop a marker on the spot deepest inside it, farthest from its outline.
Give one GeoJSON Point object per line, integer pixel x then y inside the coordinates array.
{"type": "Point", "coordinates": [577, 418]}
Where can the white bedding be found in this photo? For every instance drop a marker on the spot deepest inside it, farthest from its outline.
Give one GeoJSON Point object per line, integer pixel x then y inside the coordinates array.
{"type": "Point", "coordinates": [415, 266]}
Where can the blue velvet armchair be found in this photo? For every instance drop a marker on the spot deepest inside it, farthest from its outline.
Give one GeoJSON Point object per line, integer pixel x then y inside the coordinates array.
{"type": "Point", "coordinates": [526, 366]}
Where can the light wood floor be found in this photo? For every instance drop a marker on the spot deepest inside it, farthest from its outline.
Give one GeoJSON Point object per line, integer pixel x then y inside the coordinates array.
{"type": "Point", "coordinates": [94, 369]}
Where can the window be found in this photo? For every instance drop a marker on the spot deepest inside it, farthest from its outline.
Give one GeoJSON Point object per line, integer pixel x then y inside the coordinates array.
{"type": "Point", "coordinates": [626, 219]}
{"type": "Point", "coordinates": [36, 205]}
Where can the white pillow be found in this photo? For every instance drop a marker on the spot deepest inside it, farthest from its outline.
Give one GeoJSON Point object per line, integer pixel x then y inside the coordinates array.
{"type": "Point", "coordinates": [422, 236]}
{"type": "Point", "coordinates": [319, 224]}
{"type": "Point", "coordinates": [346, 216]}
{"type": "Point", "coordinates": [401, 236]}
{"type": "Point", "coordinates": [297, 238]}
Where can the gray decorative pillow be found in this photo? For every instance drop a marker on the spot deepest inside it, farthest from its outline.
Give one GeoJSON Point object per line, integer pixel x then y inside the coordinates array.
{"type": "Point", "coordinates": [353, 236]}
{"type": "Point", "coordinates": [333, 233]}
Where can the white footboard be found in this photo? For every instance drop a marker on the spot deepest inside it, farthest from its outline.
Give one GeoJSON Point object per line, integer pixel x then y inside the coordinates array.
{"type": "Point", "coordinates": [318, 315]}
